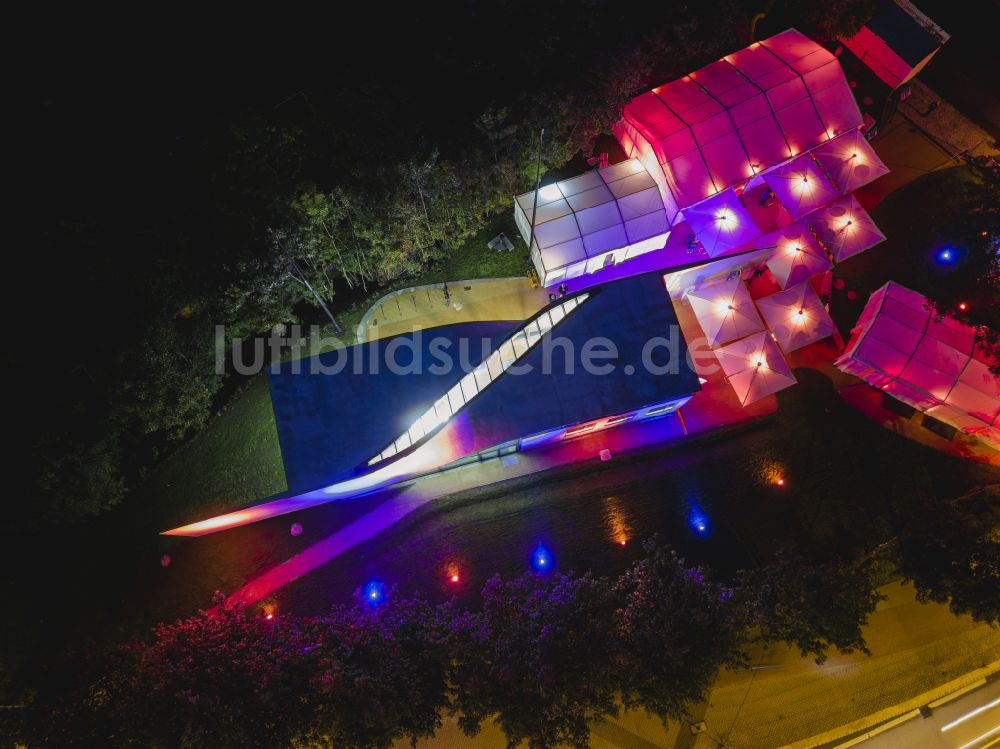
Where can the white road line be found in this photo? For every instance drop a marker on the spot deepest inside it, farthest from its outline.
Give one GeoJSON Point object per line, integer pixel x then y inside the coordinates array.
{"type": "Point", "coordinates": [971, 714]}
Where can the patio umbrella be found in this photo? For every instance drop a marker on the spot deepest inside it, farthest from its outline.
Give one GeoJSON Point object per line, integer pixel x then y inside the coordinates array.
{"type": "Point", "coordinates": [796, 317]}
{"type": "Point", "coordinates": [725, 311]}
{"type": "Point", "coordinates": [849, 161]}
{"type": "Point", "coordinates": [721, 223]}
{"type": "Point", "coordinates": [797, 255]}
{"type": "Point", "coordinates": [755, 367]}
{"type": "Point", "coordinates": [845, 228]}
{"type": "Point", "coordinates": [800, 186]}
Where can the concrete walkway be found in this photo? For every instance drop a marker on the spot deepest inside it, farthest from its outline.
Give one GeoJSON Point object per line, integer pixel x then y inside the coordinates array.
{"type": "Point", "coordinates": [424, 307]}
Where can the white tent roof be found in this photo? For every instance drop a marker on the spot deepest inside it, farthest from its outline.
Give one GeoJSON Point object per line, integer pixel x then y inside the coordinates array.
{"type": "Point", "coordinates": [797, 255]}
{"type": "Point", "coordinates": [755, 367]}
{"type": "Point", "coordinates": [725, 311]}
{"type": "Point", "coordinates": [849, 161]}
{"type": "Point", "coordinates": [800, 186]}
{"type": "Point", "coordinates": [796, 317]}
{"type": "Point", "coordinates": [845, 228]}
{"type": "Point", "coordinates": [616, 208]}
{"type": "Point", "coordinates": [737, 117]}
{"type": "Point", "coordinates": [899, 346]}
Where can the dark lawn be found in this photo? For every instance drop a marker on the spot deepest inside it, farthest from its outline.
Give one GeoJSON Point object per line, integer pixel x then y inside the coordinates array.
{"type": "Point", "coordinates": [911, 219]}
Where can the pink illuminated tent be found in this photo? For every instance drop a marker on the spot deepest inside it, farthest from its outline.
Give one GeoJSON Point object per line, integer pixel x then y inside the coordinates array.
{"type": "Point", "coordinates": [797, 255]}
{"type": "Point", "coordinates": [800, 186]}
{"type": "Point", "coordinates": [738, 117]}
{"type": "Point", "coordinates": [933, 365]}
{"type": "Point", "coordinates": [796, 317]}
{"type": "Point", "coordinates": [599, 218]}
{"type": "Point", "coordinates": [721, 223]}
{"type": "Point", "coordinates": [755, 367]}
{"type": "Point", "coordinates": [849, 161]}
{"type": "Point", "coordinates": [845, 228]}
{"type": "Point", "coordinates": [725, 311]}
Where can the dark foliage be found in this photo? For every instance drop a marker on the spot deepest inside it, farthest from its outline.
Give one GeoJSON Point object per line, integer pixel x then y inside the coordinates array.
{"type": "Point", "coordinates": [541, 659]}
{"type": "Point", "coordinates": [191, 175]}
{"type": "Point", "coordinates": [678, 628]}
{"type": "Point", "coordinates": [378, 675]}
{"type": "Point", "coordinates": [813, 607]}
{"type": "Point", "coordinates": [969, 288]}
{"type": "Point", "coordinates": [951, 553]}
{"type": "Point", "coordinates": [835, 19]}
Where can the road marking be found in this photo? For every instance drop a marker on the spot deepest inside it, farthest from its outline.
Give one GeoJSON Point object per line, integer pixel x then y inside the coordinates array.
{"type": "Point", "coordinates": [972, 714]}
{"type": "Point", "coordinates": [992, 732]}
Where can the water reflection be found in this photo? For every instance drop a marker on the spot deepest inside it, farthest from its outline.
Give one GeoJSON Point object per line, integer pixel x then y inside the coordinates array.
{"type": "Point", "coordinates": [617, 521]}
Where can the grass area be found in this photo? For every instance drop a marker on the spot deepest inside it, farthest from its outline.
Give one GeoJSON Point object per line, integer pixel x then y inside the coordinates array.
{"type": "Point", "coordinates": [911, 218]}
{"type": "Point", "coordinates": [234, 460]}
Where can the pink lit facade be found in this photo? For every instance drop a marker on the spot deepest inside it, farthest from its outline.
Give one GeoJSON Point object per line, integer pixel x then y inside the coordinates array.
{"type": "Point", "coordinates": [933, 365]}
{"type": "Point", "coordinates": [738, 117]}
{"type": "Point", "coordinates": [737, 151]}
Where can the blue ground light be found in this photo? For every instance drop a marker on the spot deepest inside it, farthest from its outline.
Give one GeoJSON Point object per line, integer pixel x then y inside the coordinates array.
{"type": "Point", "coordinates": [373, 593]}
{"type": "Point", "coordinates": [946, 255]}
{"type": "Point", "coordinates": [541, 559]}
{"type": "Point", "coordinates": [697, 520]}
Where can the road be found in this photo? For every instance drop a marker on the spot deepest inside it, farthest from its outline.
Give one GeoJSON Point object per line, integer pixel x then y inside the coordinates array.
{"type": "Point", "coordinates": [969, 722]}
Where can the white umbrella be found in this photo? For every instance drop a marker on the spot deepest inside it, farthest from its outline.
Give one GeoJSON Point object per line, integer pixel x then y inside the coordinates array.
{"type": "Point", "coordinates": [800, 186]}
{"type": "Point", "coordinates": [797, 255]}
{"type": "Point", "coordinates": [849, 161]}
{"type": "Point", "coordinates": [725, 311]}
{"type": "Point", "coordinates": [721, 223]}
{"type": "Point", "coordinates": [755, 367]}
{"type": "Point", "coordinates": [796, 317]}
{"type": "Point", "coordinates": [845, 228]}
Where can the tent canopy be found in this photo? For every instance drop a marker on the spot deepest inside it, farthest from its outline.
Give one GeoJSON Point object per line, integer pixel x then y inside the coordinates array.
{"type": "Point", "coordinates": [850, 161]}
{"type": "Point", "coordinates": [796, 317]}
{"type": "Point", "coordinates": [721, 223]}
{"type": "Point", "coordinates": [899, 346]}
{"type": "Point", "coordinates": [800, 186]}
{"type": "Point", "coordinates": [755, 367]}
{"type": "Point", "coordinates": [737, 117]}
{"type": "Point", "coordinates": [797, 255]}
{"type": "Point", "coordinates": [725, 311]}
{"type": "Point", "coordinates": [845, 228]}
{"type": "Point", "coordinates": [599, 217]}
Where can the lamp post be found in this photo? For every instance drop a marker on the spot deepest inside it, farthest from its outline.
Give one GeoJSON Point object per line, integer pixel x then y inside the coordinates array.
{"type": "Point", "coordinates": [538, 181]}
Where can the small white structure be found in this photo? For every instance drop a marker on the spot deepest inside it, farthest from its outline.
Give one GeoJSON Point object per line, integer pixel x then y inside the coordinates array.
{"type": "Point", "coordinates": [589, 222]}
{"type": "Point", "coordinates": [845, 228]}
{"type": "Point", "coordinates": [934, 365]}
{"type": "Point", "coordinates": [797, 255]}
{"type": "Point", "coordinates": [755, 367]}
{"type": "Point", "coordinates": [796, 317]}
{"type": "Point", "coordinates": [725, 311]}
